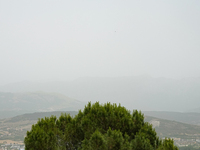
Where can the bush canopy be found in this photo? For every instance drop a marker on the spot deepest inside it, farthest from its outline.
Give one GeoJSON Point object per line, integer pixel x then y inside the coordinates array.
{"type": "Point", "coordinates": [97, 127]}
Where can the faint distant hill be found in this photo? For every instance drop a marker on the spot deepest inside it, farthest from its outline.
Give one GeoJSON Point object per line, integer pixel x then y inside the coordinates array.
{"type": "Point", "coordinates": [140, 92]}
{"type": "Point", "coordinates": [197, 109]}
{"type": "Point", "coordinates": [12, 104]}
{"type": "Point", "coordinates": [35, 116]}
{"type": "Point", "coordinates": [186, 117]}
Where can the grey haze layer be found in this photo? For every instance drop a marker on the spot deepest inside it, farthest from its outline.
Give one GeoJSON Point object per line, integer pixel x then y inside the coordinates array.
{"type": "Point", "coordinates": [62, 40]}
{"type": "Point", "coordinates": [142, 92]}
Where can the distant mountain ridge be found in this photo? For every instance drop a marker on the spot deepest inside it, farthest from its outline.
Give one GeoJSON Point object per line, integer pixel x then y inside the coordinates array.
{"type": "Point", "coordinates": [37, 115]}
{"type": "Point", "coordinates": [140, 92]}
{"type": "Point", "coordinates": [29, 102]}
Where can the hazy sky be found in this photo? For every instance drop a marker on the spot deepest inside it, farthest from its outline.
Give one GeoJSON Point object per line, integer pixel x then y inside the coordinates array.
{"type": "Point", "coordinates": [62, 40]}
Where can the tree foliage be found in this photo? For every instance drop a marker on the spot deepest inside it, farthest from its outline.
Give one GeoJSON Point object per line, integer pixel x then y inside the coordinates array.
{"type": "Point", "coordinates": [97, 127]}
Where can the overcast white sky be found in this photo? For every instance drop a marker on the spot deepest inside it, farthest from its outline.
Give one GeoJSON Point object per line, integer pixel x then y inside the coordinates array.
{"type": "Point", "coordinates": [62, 40]}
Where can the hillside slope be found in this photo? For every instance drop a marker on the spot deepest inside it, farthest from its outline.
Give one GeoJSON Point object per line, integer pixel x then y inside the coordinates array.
{"type": "Point", "coordinates": [16, 127]}
{"type": "Point", "coordinates": [12, 104]}
{"type": "Point", "coordinates": [169, 128]}
{"type": "Point", "coordinates": [184, 117]}
{"type": "Point", "coordinates": [140, 92]}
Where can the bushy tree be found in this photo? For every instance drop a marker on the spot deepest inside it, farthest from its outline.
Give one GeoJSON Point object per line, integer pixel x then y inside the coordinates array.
{"type": "Point", "coordinates": [44, 135]}
{"type": "Point", "coordinates": [97, 127]}
{"type": "Point", "coordinates": [167, 144]}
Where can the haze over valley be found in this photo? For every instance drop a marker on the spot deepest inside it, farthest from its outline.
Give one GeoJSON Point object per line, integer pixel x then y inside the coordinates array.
{"type": "Point", "coordinates": [56, 56]}
{"type": "Point", "coordinates": [140, 92]}
{"type": "Point", "coordinates": [144, 55]}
